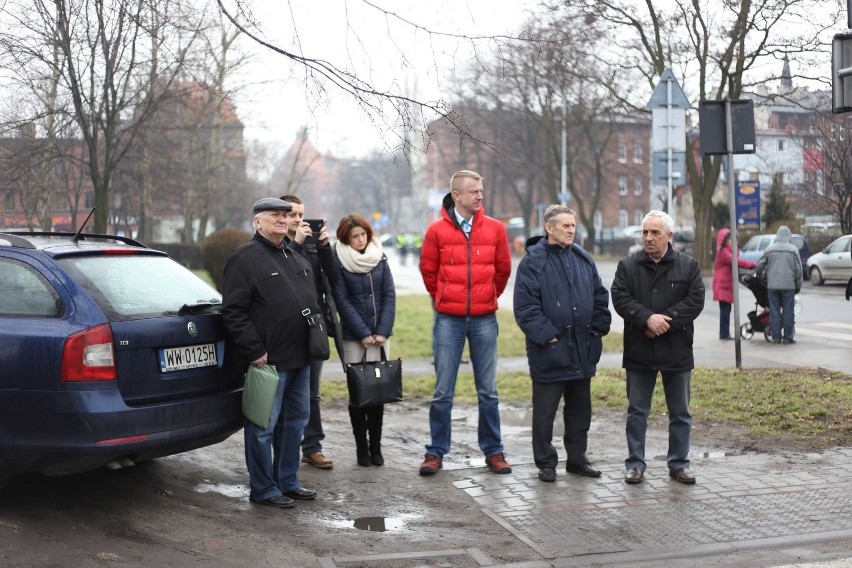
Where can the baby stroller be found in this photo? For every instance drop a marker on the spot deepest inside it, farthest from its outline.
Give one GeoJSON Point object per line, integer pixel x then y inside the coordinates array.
{"type": "Point", "coordinates": [758, 319]}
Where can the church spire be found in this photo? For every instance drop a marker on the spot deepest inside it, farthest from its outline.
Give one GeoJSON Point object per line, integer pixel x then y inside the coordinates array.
{"type": "Point", "coordinates": [786, 76]}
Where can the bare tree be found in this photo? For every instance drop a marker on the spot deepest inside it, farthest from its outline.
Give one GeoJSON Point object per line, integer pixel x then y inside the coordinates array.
{"type": "Point", "coordinates": [831, 160]}
{"type": "Point", "coordinates": [532, 90]}
{"type": "Point", "coordinates": [391, 109]}
{"type": "Point", "coordinates": [718, 46]}
{"type": "Point", "coordinates": [102, 55]}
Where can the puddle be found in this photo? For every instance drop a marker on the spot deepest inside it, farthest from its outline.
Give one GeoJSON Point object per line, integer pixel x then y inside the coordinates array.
{"type": "Point", "coordinates": [228, 490]}
{"type": "Point", "coordinates": [719, 454]}
{"type": "Point", "coordinates": [372, 524]}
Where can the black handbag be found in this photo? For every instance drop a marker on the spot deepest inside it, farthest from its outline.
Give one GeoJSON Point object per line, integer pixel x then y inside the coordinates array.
{"type": "Point", "coordinates": [374, 382]}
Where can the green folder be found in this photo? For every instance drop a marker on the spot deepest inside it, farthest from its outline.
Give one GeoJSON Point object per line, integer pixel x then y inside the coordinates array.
{"type": "Point", "coordinates": [259, 394]}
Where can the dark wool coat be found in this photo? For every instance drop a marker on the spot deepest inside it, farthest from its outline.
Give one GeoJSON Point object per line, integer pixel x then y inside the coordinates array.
{"type": "Point", "coordinates": [558, 293]}
{"type": "Point", "coordinates": [642, 288]}
{"type": "Point", "coordinates": [264, 289]}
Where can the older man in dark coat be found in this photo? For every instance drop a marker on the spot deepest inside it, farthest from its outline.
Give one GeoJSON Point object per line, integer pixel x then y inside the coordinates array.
{"type": "Point", "coordinates": [562, 307]}
{"type": "Point", "coordinates": [658, 292]}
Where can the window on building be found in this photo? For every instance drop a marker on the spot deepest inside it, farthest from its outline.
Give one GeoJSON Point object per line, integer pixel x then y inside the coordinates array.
{"type": "Point", "coordinates": [781, 145]}
{"type": "Point", "coordinates": [637, 152]}
{"type": "Point", "coordinates": [637, 185]}
{"type": "Point", "coordinates": [622, 217]}
{"type": "Point", "coordinates": [90, 199]}
{"type": "Point", "coordinates": [638, 215]}
{"type": "Point", "coordinates": [622, 150]}
{"type": "Point", "coordinates": [9, 201]}
{"type": "Point", "coordinates": [597, 220]}
{"type": "Point", "coordinates": [622, 185]}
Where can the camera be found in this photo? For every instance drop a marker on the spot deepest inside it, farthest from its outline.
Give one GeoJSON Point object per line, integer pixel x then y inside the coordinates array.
{"type": "Point", "coordinates": [316, 227]}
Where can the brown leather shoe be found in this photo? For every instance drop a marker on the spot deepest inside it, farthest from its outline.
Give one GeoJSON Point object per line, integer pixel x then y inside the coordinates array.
{"type": "Point", "coordinates": [682, 475]}
{"type": "Point", "coordinates": [634, 475]}
{"type": "Point", "coordinates": [317, 459]}
{"type": "Point", "coordinates": [497, 463]}
{"type": "Point", "coordinates": [431, 464]}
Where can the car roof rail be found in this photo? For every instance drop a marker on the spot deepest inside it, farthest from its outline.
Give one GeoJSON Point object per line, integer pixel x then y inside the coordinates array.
{"type": "Point", "coordinates": [80, 236]}
{"type": "Point", "coordinates": [16, 240]}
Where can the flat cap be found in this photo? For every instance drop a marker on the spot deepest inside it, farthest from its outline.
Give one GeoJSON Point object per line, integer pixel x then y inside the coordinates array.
{"type": "Point", "coordinates": [271, 204]}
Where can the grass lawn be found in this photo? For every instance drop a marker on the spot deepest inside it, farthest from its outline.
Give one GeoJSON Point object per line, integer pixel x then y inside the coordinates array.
{"type": "Point", "coordinates": [811, 406]}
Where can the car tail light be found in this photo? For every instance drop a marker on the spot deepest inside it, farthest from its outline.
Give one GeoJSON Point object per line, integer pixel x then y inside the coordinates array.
{"type": "Point", "coordinates": [89, 356]}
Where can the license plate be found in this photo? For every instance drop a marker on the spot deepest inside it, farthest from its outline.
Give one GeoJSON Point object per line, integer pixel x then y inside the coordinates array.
{"type": "Point", "coordinates": [189, 357]}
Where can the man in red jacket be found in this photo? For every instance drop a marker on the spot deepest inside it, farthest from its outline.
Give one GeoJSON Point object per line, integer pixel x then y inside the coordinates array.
{"type": "Point", "coordinates": [465, 263]}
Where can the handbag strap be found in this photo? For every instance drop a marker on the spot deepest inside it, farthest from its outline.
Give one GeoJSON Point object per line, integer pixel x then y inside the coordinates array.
{"type": "Point", "coordinates": [384, 355]}
{"type": "Point", "coordinates": [306, 311]}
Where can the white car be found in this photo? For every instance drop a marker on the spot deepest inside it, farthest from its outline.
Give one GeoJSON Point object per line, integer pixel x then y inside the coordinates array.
{"type": "Point", "coordinates": [834, 262]}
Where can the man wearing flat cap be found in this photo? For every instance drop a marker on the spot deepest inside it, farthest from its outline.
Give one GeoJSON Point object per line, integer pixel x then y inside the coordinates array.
{"type": "Point", "coordinates": [265, 288]}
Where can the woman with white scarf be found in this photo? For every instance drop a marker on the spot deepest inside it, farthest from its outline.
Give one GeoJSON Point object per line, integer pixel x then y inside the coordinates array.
{"type": "Point", "coordinates": [366, 301]}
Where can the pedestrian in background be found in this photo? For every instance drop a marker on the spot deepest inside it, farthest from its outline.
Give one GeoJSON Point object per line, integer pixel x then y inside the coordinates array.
{"type": "Point", "coordinates": [318, 252]}
{"type": "Point", "coordinates": [659, 293]}
{"type": "Point", "coordinates": [562, 307]}
{"type": "Point", "coordinates": [366, 300]}
{"type": "Point", "coordinates": [465, 264]}
{"type": "Point", "coordinates": [264, 289]}
{"type": "Point", "coordinates": [724, 281]}
{"type": "Point", "coordinates": [781, 268]}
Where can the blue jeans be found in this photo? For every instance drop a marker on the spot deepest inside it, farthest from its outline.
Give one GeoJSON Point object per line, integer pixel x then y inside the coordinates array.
{"type": "Point", "coordinates": [272, 454]}
{"type": "Point", "coordinates": [448, 340]}
{"type": "Point", "coordinates": [725, 320]}
{"type": "Point", "coordinates": [782, 304]}
{"type": "Point", "coordinates": [640, 391]}
{"type": "Point", "coordinates": [314, 435]}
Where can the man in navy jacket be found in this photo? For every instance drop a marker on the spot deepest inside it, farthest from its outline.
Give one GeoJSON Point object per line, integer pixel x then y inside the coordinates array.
{"type": "Point", "coordinates": [562, 307]}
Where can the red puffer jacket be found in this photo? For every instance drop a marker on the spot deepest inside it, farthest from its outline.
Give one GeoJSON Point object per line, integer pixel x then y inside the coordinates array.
{"type": "Point", "coordinates": [465, 277]}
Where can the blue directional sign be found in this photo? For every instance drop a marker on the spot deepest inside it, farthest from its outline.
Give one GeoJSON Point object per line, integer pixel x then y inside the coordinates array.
{"type": "Point", "coordinates": [748, 205]}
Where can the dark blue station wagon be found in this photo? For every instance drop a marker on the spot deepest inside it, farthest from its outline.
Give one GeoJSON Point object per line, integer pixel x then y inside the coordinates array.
{"type": "Point", "coordinates": [111, 353]}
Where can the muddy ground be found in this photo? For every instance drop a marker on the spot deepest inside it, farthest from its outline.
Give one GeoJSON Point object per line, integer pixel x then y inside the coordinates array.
{"type": "Point", "coordinates": [192, 509]}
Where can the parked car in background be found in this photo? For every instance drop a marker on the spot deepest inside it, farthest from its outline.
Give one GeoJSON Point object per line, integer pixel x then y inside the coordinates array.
{"type": "Point", "coordinates": [112, 353]}
{"type": "Point", "coordinates": [834, 262]}
{"type": "Point", "coordinates": [754, 247]}
{"type": "Point", "coordinates": [684, 241]}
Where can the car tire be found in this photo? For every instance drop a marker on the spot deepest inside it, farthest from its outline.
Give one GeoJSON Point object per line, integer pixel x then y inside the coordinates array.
{"type": "Point", "coordinates": [816, 277]}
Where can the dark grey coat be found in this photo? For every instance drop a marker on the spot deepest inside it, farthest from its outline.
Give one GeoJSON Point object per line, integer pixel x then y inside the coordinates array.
{"type": "Point", "coordinates": [642, 288]}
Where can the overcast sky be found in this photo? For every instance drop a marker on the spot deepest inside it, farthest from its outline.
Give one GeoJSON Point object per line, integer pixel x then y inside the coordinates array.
{"type": "Point", "coordinates": [383, 50]}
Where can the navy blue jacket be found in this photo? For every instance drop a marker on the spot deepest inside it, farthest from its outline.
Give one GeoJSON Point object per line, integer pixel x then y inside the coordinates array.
{"type": "Point", "coordinates": [366, 302]}
{"type": "Point", "coordinates": [558, 293]}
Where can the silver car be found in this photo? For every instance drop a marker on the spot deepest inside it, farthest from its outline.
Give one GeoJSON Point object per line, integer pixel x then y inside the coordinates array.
{"type": "Point", "coordinates": [834, 262]}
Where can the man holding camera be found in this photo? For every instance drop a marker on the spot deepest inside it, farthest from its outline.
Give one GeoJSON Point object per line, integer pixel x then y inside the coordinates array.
{"type": "Point", "coordinates": [314, 246]}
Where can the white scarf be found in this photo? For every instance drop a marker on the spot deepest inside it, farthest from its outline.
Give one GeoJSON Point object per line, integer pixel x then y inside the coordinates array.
{"type": "Point", "coordinates": [357, 262]}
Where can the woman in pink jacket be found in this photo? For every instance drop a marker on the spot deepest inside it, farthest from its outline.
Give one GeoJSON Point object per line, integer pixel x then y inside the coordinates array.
{"type": "Point", "coordinates": [723, 280]}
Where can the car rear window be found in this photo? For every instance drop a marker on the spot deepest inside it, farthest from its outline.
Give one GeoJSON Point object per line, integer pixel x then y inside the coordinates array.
{"type": "Point", "coordinates": [137, 286]}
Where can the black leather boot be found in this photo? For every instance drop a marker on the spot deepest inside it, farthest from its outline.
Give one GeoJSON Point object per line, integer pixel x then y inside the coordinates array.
{"type": "Point", "coordinates": [358, 417]}
{"type": "Point", "coordinates": [375, 415]}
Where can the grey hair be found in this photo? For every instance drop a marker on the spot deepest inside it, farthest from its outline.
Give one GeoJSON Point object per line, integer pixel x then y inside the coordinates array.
{"type": "Point", "coordinates": [555, 210]}
{"type": "Point", "coordinates": [668, 223]}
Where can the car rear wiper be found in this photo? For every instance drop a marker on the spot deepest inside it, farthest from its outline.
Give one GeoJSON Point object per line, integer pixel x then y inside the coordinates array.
{"type": "Point", "coordinates": [198, 307]}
